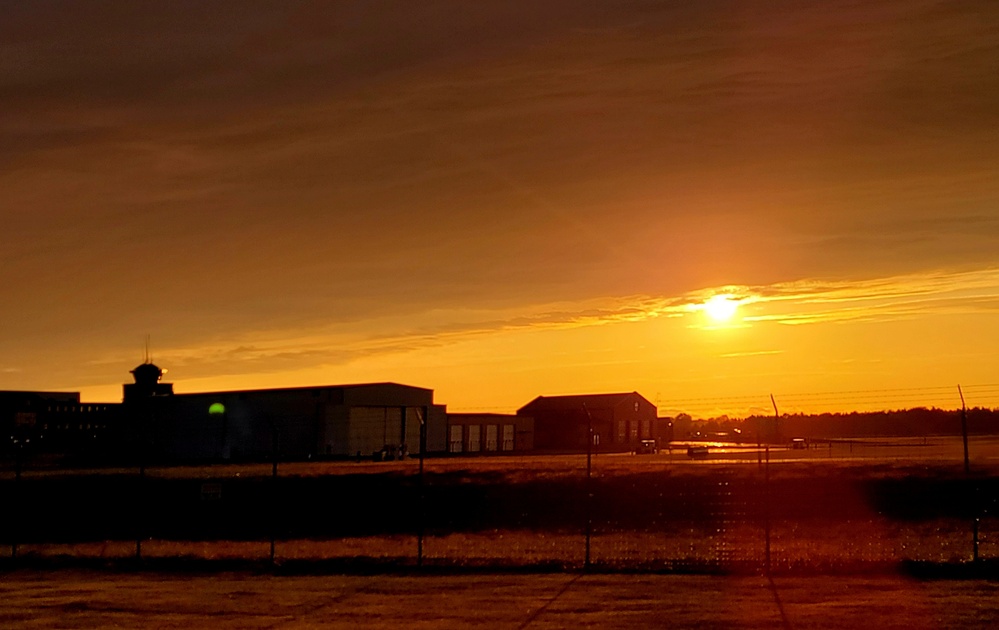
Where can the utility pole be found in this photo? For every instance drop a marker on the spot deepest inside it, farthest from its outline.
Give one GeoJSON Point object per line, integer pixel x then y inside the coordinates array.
{"type": "Point", "coordinates": [776, 434]}
{"type": "Point", "coordinates": [964, 431]}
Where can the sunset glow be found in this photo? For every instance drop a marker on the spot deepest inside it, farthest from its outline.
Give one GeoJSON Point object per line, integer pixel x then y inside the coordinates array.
{"type": "Point", "coordinates": [720, 308]}
{"type": "Point", "coordinates": [703, 202]}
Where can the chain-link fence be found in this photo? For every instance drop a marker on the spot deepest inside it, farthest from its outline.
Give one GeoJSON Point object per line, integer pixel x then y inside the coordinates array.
{"type": "Point", "coordinates": [838, 506]}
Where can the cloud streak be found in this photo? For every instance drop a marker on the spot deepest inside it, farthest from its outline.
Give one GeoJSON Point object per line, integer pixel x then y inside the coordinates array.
{"type": "Point", "coordinates": [805, 302]}
{"type": "Point", "coordinates": [886, 299]}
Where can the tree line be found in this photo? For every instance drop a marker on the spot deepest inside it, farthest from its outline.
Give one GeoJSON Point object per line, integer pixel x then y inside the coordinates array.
{"type": "Point", "coordinates": [915, 422]}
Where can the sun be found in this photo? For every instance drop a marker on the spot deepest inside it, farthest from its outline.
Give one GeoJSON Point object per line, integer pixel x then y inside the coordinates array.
{"type": "Point", "coordinates": [720, 308]}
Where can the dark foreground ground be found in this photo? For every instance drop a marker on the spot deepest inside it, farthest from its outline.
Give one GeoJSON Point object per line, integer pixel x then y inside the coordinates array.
{"type": "Point", "coordinates": [100, 599]}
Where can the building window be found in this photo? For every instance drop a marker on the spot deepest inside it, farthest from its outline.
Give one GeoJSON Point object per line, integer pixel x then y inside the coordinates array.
{"type": "Point", "coordinates": [622, 435]}
{"type": "Point", "coordinates": [492, 431]}
{"type": "Point", "coordinates": [646, 429]}
{"type": "Point", "coordinates": [474, 438]}
{"type": "Point", "coordinates": [454, 439]}
{"type": "Point", "coordinates": [633, 430]}
{"type": "Point", "coordinates": [508, 437]}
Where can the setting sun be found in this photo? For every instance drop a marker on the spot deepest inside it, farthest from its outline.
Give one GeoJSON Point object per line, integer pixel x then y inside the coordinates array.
{"type": "Point", "coordinates": [720, 308]}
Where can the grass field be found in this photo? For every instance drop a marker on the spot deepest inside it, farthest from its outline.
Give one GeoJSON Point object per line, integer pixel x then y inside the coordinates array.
{"type": "Point", "coordinates": [838, 507]}
{"type": "Point", "coordinates": [873, 455]}
{"type": "Point", "coordinates": [796, 547]}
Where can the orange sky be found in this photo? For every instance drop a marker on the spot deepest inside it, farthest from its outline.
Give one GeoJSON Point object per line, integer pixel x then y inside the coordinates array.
{"type": "Point", "coordinates": [498, 200]}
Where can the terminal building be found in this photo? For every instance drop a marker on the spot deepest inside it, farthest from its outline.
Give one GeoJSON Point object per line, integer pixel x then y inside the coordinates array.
{"type": "Point", "coordinates": [57, 422]}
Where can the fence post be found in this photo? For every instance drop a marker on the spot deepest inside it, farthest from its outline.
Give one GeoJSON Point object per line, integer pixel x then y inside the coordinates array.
{"type": "Point", "coordinates": [589, 486]}
{"type": "Point", "coordinates": [967, 472]}
{"type": "Point", "coordinates": [766, 489]}
{"type": "Point", "coordinates": [140, 502]}
{"type": "Point", "coordinates": [18, 501]}
{"type": "Point", "coordinates": [766, 510]}
{"type": "Point", "coordinates": [421, 497]}
{"type": "Point", "coordinates": [274, 486]}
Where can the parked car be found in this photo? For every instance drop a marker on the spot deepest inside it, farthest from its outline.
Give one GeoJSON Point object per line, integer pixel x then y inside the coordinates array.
{"type": "Point", "coordinates": [697, 452]}
{"type": "Point", "coordinates": [646, 447]}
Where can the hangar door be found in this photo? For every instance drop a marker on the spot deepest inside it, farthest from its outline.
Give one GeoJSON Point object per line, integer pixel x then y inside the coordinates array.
{"type": "Point", "coordinates": [370, 429]}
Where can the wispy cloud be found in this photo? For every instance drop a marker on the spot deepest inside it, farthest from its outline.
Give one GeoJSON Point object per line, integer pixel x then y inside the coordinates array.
{"type": "Point", "coordinates": [804, 302]}
{"type": "Point", "coordinates": [883, 299]}
{"type": "Point", "coordinates": [339, 343]}
{"type": "Point", "coordinates": [737, 355]}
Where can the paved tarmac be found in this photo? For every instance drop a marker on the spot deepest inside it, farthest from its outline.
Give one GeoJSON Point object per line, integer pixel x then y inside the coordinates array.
{"type": "Point", "coordinates": [99, 599]}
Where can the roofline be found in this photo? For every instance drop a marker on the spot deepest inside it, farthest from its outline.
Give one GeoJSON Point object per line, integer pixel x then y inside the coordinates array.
{"type": "Point", "coordinates": [37, 393]}
{"type": "Point", "coordinates": [300, 389]}
{"type": "Point", "coordinates": [483, 413]}
{"type": "Point", "coordinates": [600, 395]}
{"type": "Point", "coordinates": [584, 396]}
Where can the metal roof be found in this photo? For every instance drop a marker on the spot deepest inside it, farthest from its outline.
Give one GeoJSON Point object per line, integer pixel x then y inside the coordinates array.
{"type": "Point", "coordinates": [576, 401]}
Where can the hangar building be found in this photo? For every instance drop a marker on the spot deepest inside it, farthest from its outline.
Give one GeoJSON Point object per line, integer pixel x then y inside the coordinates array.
{"type": "Point", "coordinates": [620, 421]}
{"type": "Point", "coordinates": [302, 422]}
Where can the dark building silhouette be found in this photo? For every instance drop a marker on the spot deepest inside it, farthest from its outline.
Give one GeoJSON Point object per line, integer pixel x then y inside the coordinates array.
{"type": "Point", "coordinates": [300, 423]}
{"type": "Point", "coordinates": [620, 421]}
{"type": "Point", "coordinates": [57, 423]}
{"type": "Point", "coordinates": [306, 422]}
{"type": "Point", "coordinates": [147, 384]}
{"type": "Point", "coordinates": [155, 425]}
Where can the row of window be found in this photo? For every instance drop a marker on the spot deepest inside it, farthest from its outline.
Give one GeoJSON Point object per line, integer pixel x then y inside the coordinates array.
{"type": "Point", "coordinates": [76, 408]}
{"type": "Point", "coordinates": [475, 438]}
{"type": "Point", "coordinates": [73, 427]}
{"type": "Point", "coordinates": [64, 426]}
{"type": "Point", "coordinates": [15, 439]}
{"type": "Point", "coordinates": [633, 430]}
